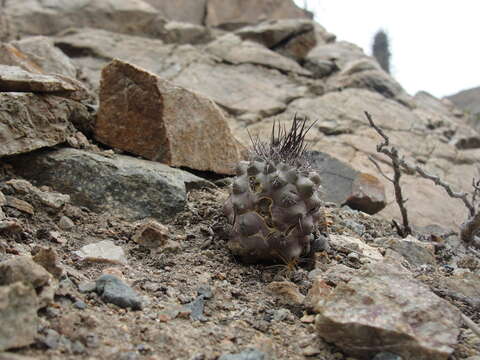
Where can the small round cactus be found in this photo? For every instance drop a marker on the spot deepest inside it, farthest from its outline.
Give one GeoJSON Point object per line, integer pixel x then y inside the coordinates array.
{"type": "Point", "coordinates": [274, 206]}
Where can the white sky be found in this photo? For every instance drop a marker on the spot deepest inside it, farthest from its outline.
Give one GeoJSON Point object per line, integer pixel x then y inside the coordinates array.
{"type": "Point", "coordinates": [435, 44]}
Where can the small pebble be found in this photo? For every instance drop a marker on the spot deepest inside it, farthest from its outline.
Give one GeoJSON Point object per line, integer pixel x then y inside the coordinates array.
{"type": "Point", "coordinates": [79, 304]}
{"type": "Point", "coordinates": [65, 223]}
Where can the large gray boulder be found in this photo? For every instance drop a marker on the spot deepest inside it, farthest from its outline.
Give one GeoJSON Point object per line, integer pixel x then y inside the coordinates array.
{"type": "Point", "coordinates": [122, 185]}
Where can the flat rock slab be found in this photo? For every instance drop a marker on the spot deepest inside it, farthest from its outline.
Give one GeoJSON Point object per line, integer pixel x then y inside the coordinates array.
{"type": "Point", "coordinates": [103, 251]}
{"type": "Point", "coordinates": [29, 121]}
{"type": "Point", "coordinates": [123, 185]}
{"type": "Point", "coordinates": [232, 49]}
{"type": "Point", "coordinates": [383, 308]}
{"type": "Point", "coordinates": [151, 117]}
{"type": "Point", "coordinates": [18, 315]}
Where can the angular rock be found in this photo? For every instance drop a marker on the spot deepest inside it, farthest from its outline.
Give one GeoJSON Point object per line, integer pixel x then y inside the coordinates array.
{"type": "Point", "coordinates": [3, 199]}
{"type": "Point", "coordinates": [237, 13]}
{"type": "Point", "coordinates": [65, 223]}
{"type": "Point", "coordinates": [121, 185]}
{"type": "Point", "coordinates": [348, 244]}
{"type": "Point", "coordinates": [29, 122]}
{"type": "Point", "coordinates": [113, 290]}
{"type": "Point", "coordinates": [18, 315]}
{"type": "Point", "coordinates": [48, 258]}
{"type": "Point", "coordinates": [340, 53]}
{"type": "Point", "coordinates": [38, 54]}
{"type": "Point", "coordinates": [318, 291]}
{"type": "Point", "coordinates": [36, 17]}
{"type": "Point", "coordinates": [151, 234]}
{"type": "Point", "coordinates": [275, 32]}
{"type": "Point", "coordinates": [384, 309]}
{"type": "Point", "coordinates": [286, 291]}
{"type": "Point", "coordinates": [20, 205]}
{"type": "Point", "coordinates": [145, 115]}
{"type": "Point", "coordinates": [14, 356]}
{"type": "Point", "coordinates": [186, 11]}
{"type": "Point", "coordinates": [233, 50]}
{"type": "Point", "coordinates": [365, 74]}
{"type": "Point", "coordinates": [23, 268]}
{"type": "Point", "coordinates": [368, 194]}
{"type": "Point", "coordinates": [185, 33]}
{"type": "Point", "coordinates": [337, 177]}
{"type": "Point", "coordinates": [416, 252]}
{"type": "Point", "coordinates": [104, 251]}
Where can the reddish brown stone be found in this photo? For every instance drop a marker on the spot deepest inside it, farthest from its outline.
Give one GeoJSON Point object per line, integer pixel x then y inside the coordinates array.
{"type": "Point", "coordinates": [151, 117]}
{"type": "Point", "coordinates": [368, 194]}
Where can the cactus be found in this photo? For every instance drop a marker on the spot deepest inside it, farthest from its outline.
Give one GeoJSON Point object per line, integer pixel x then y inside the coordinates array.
{"type": "Point", "coordinates": [381, 50]}
{"type": "Point", "coordinates": [274, 206]}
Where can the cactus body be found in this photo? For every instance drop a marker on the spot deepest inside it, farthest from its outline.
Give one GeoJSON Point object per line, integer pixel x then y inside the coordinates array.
{"type": "Point", "coordinates": [274, 206]}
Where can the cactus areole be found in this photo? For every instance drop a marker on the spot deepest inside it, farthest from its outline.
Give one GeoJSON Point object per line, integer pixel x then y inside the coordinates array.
{"type": "Point", "coordinates": [274, 207]}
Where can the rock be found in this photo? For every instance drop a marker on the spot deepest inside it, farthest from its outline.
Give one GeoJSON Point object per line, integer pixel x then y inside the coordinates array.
{"type": "Point", "coordinates": [38, 54]}
{"type": "Point", "coordinates": [113, 290]}
{"type": "Point", "coordinates": [187, 11]}
{"type": "Point", "coordinates": [337, 177]}
{"type": "Point", "coordinates": [18, 315]}
{"type": "Point", "coordinates": [340, 53]}
{"type": "Point", "coordinates": [416, 252]}
{"type": "Point", "coordinates": [2, 215]}
{"type": "Point", "coordinates": [384, 309]}
{"type": "Point", "coordinates": [293, 38]}
{"type": "Point", "coordinates": [65, 223]}
{"type": "Point", "coordinates": [238, 89]}
{"type": "Point", "coordinates": [233, 50]}
{"type": "Point", "coordinates": [365, 74]}
{"type": "Point", "coordinates": [14, 356]}
{"type": "Point", "coordinates": [102, 251]}
{"type": "Point", "coordinates": [235, 14]}
{"type": "Point", "coordinates": [19, 204]}
{"type": "Point", "coordinates": [249, 354]}
{"type": "Point", "coordinates": [173, 118]}
{"type": "Point", "coordinates": [48, 258]}
{"type": "Point", "coordinates": [467, 100]}
{"type": "Point", "coordinates": [24, 269]}
{"type": "Point", "coordinates": [466, 285]}
{"type": "Point", "coordinates": [52, 199]}
{"type": "Point", "coordinates": [319, 290]}
{"type": "Point", "coordinates": [348, 244]}
{"type": "Point", "coordinates": [286, 291]}
{"type": "Point", "coordinates": [387, 356]}
{"type": "Point", "coordinates": [13, 78]}
{"type": "Point", "coordinates": [40, 121]}
{"type": "Point", "coordinates": [34, 17]}
{"type": "Point", "coordinates": [368, 194]}
{"type": "Point", "coordinates": [3, 199]}
{"type": "Point", "coordinates": [121, 185]}
{"type": "Point", "coordinates": [152, 234]}
{"type": "Point", "coordinates": [185, 33]}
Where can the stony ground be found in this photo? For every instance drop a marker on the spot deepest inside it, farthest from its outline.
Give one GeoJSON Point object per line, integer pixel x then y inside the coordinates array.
{"type": "Point", "coordinates": [239, 313]}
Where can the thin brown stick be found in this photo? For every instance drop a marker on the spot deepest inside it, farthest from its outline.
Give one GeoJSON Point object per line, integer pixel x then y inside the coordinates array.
{"type": "Point", "coordinates": [392, 153]}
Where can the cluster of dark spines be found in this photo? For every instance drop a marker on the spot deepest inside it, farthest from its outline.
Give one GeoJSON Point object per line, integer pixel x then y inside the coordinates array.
{"type": "Point", "coordinates": [274, 206]}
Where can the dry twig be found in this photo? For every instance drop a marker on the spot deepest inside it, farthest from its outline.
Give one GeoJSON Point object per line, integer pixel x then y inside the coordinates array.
{"type": "Point", "coordinates": [392, 153]}
{"type": "Point", "coordinates": [468, 229]}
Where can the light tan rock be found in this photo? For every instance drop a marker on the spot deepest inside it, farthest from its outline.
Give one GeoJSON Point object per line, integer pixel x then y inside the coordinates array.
{"type": "Point", "coordinates": [416, 252]}
{"type": "Point", "coordinates": [187, 11]}
{"type": "Point", "coordinates": [13, 78]}
{"type": "Point", "coordinates": [145, 115]}
{"type": "Point", "coordinates": [347, 244]}
{"type": "Point", "coordinates": [236, 13]}
{"type": "Point", "coordinates": [286, 291]}
{"type": "Point", "coordinates": [36, 17]}
{"type": "Point", "coordinates": [151, 234]}
{"type": "Point", "coordinates": [368, 194]}
{"type": "Point", "coordinates": [20, 205]}
{"type": "Point", "coordinates": [37, 54]}
{"type": "Point", "coordinates": [18, 315]}
{"type": "Point", "coordinates": [103, 251]}
{"type": "Point", "coordinates": [233, 50]}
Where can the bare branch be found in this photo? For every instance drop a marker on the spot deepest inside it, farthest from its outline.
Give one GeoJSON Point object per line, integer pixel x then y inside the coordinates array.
{"type": "Point", "coordinates": [392, 153]}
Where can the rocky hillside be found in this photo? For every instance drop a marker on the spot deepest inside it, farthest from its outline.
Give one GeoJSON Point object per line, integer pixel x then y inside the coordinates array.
{"type": "Point", "coordinates": [469, 101]}
{"type": "Point", "coordinates": [121, 122]}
